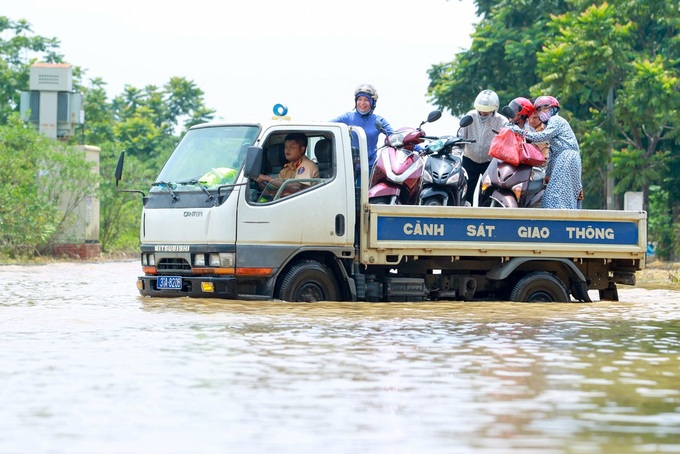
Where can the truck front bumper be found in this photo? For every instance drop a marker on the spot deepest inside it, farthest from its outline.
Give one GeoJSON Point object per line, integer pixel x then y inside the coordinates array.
{"type": "Point", "coordinates": [195, 287]}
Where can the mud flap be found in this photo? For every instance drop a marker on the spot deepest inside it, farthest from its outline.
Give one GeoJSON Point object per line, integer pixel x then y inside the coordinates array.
{"type": "Point", "coordinates": [580, 291]}
{"type": "Point", "coordinates": [609, 294]}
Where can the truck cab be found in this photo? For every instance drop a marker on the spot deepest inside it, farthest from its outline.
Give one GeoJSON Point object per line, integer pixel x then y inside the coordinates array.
{"type": "Point", "coordinates": [209, 229]}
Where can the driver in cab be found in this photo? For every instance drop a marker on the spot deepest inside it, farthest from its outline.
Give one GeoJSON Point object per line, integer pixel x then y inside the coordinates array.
{"type": "Point", "coordinates": [298, 166]}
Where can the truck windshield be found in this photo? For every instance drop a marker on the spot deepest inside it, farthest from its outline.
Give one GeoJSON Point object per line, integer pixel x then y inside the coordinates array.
{"type": "Point", "coordinates": [206, 158]}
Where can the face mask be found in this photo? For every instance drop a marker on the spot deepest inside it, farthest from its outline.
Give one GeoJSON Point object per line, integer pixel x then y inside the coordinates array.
{"type": "Point", "coordinates": [544, 116]}
{"type": "Point", "coordinates": [485, 118]}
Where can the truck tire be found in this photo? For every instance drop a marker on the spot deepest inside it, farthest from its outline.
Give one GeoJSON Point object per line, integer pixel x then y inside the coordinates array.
{"type": "Point", "coordinates": [540, 287]}
{"type": "Point", "coordinates": [309, 281]}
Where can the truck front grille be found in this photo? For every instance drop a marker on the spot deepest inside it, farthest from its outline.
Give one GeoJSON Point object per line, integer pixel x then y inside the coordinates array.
{"type": "Point", "coordinates": [173, 264]}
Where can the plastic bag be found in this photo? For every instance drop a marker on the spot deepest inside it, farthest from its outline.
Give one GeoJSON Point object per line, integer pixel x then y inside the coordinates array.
{"type": "Point", "coordinates": [507, 146]}
{"type": "Point", "coordinates": [511, 147]}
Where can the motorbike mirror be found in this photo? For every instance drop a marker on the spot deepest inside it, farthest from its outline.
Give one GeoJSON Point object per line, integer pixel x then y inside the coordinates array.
{"type": "Point", "coordinates": [508, 112]}
{"type": "Point", "coordinates": [379, 126]}
{"type": "Point", "coordinates": [434, 116]}
{"type": "Point", "coordinates": [466, 121]}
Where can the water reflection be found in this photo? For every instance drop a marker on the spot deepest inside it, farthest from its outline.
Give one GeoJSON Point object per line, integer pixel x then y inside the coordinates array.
{"type": "Point", "coordinates": [88, 366]}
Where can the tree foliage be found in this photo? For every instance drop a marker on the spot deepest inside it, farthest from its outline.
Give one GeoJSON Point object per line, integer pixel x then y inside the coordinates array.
{"type": "Point", "coordinates": [43, 181]}
{"type": "Point", "coordinates": [16, 43]}
{"type": "Point", "coordinates": [615, 67]}
{"type": "Point", "coordinates": [146, 123]}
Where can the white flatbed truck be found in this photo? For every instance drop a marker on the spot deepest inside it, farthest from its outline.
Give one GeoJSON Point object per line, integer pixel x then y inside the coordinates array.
{"type": "Point", "coordinates": [209, 230]}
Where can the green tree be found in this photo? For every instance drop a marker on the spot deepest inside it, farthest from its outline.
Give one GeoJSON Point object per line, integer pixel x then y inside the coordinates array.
{"type": "Point", "coordinates": [19, 48]}
{"type": "Point", "coordinates": [502, 56]}
{"type": "Point", "coordinates": [613, 65]}
{"type": "Point", "coordinates": [143, 123]}
{"type": "Point", "coordinates": [621, 84]}
{"type": "Point", "coordinates": [42, 183]}
{"type": "Point", "coordinates": [146, 123]}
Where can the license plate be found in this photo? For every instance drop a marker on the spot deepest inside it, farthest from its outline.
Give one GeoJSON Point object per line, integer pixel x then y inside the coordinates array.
{"type": "Point", "coordinates": [169, 283]}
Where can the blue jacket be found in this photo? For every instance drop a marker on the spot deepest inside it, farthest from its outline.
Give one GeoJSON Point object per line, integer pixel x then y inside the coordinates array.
{"type": "Point", "coordinates": [367, 122]}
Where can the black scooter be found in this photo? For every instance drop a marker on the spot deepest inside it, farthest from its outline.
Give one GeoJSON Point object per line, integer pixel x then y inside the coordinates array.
{"type": "Point", "coordinates": [444, 180]}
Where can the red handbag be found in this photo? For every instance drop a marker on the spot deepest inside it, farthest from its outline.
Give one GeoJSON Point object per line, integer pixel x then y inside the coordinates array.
{"type": "Point", "coordinates": [511, 147]}
{"type": "Point", "coordinates": [531, 155]}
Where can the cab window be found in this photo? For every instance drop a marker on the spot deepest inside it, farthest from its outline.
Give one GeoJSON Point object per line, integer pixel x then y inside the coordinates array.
{"type": "Point", "coordinates": [294, 162]}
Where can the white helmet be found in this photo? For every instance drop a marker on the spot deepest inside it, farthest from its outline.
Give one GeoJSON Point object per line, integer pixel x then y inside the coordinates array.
{"type": "Point", "coordinates": [487, 101]}
{"type": "Point", "coordinates": [366, 90]}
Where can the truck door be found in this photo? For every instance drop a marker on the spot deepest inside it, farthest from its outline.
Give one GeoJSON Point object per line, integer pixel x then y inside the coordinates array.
{"type": "Point", "coordinates": [277, 218]}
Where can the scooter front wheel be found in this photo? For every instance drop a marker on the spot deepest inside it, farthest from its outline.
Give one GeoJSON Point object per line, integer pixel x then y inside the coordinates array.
{"type": "Point", "coordinates": [492, 203]}
{"type": "Point", "coordinates": [385, 200]}
{"type": "Point", "coordinates": [433, 201]}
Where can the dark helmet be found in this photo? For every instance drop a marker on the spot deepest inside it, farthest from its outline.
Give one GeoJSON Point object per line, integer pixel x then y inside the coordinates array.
{"type": "Point", "coordinates": [522, 106]}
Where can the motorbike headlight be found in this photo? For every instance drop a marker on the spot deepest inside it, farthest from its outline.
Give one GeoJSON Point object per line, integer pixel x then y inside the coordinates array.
{"type": "Point", "coordinates": [427, 178]}
{"type": "Point", "coordinates": [486, 182]}
{"type": "Point", "coordinates": [517, 190]}
{"type": "Point", "coordinates": [453, 179]}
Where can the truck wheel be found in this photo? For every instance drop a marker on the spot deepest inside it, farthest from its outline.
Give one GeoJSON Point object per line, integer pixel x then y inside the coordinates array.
{"type": "Point", "coordinates": [309, 281]}
{"type": "Point", "coordinates": [539, 287]}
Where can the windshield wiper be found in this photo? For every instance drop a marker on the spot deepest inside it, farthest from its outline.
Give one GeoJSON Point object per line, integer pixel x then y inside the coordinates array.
{"type": "Point", "coordinates": [167, 186]}
{"type": "Point", "coordinates": [195, 182]}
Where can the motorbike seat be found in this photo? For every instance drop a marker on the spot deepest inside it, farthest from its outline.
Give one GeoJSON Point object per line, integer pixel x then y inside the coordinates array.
{"type": "Point", "coordinates": [323, 151]}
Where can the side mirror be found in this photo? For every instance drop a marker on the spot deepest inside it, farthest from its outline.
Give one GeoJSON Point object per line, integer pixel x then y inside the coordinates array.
{"type": "Point", "coordinates": [253, 165]}
{"type": "Point", "coordinates": [434, 116]}
{"type": "Point", "coordinates": [119, 176]}
{"type": "Point", "coordinates": [119, 167]}
{"type": "Point", "coordinates": [379, 126]}
{"type": "Point", "coordinates": [508, 112]}
{"type": "Point", "coordinates": [466, 121]}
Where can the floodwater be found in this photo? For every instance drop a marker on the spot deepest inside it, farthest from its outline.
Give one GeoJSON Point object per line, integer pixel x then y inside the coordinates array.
{"type": "Point", "coordinates": [89, 366]}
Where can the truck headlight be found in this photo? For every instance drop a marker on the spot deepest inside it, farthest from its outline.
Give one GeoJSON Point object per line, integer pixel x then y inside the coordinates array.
{"type": "Point", "coordinates": [199, 260]}
{"type": "Point", "coordinates": [222, 259]}
{"type": "Point", "coordinates": [148, 259]}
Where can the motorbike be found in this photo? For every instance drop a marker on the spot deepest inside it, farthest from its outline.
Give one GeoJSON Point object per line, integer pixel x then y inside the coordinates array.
{"type": "Point", "coordinates": [509, 186]}
{"type": "Point", "coordinates": [396, 175]}
{"type": "Point", "coordinates": [444, 180]}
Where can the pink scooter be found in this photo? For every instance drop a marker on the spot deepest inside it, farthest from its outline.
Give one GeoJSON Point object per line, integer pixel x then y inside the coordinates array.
{"type": "Point", "coordinates": [397, 173]}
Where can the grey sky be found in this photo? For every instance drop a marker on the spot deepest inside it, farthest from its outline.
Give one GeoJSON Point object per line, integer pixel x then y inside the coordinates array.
{"type": "Point", "coordinates": [249, 55]}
